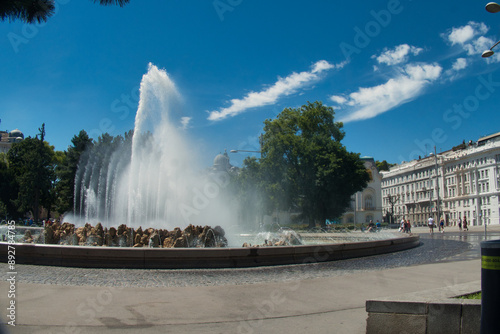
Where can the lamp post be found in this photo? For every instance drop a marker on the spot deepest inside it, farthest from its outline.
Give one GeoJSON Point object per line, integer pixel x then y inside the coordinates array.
{"type": "Point", "coordinates": [237, 151]}
{"type": "Point", "coordinates": [491, 7]}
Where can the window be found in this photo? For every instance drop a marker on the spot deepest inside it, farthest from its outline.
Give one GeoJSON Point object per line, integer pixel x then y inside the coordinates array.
{"type": "Point", "coordinates": [368, 202]}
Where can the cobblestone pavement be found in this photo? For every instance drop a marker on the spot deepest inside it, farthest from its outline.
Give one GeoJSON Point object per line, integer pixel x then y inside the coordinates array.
{"type": "Point", "coordinates": [451, 246]}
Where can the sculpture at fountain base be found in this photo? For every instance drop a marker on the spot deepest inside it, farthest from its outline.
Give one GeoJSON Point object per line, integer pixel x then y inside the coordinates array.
{"type": "Point", "coordinates": [123, 236]}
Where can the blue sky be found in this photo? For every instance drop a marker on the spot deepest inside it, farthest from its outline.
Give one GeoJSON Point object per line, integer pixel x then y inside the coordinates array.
{"type": "Point", "coordinates": [403, 75]}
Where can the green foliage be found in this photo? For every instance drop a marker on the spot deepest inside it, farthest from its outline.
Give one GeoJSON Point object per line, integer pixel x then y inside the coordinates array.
{"type": "Point", "coordinates": [4, 212]}
{"type": "Point", "coordinates": [304, 167]}
{"type": "Point", "coordinates": [249, 188]}
{"type": "Point", "coordinates": [38, 11]}
{"type": "Point", "coordinates": [476, 295]}
{"type": "Point", "coordinates": [383, 165]}
{"type": "Point", "coordinates": [67, 166]}
{"type": "Point", "coordinates": [33, 175]}
{"type": "Point", "coordinates": [31, 162]}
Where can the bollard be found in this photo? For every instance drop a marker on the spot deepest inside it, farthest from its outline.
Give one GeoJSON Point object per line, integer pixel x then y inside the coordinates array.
{"type": "Point", "coordinates": [490, 286]}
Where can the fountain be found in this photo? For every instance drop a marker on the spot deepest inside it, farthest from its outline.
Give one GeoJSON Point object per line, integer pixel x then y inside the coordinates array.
{"type": "Point", "coordinates": [153, 179]}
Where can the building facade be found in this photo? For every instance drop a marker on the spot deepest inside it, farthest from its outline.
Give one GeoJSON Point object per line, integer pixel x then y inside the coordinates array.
{"type": "Point", "coordinates": [366, 205]}
{"type": "Point", "coordinates": [462, 182]}
{"type": "Point", "coordinates": [8, 138]}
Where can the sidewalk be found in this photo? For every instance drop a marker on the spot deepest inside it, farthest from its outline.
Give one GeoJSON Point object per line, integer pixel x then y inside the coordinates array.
{"type": "Point", "coordinates": [321, 305]}
{"type": "Point", "coordinates": [449, 229]}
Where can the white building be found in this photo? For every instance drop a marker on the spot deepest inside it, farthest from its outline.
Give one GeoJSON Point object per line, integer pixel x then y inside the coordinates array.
{"type": "Point", "coordinates": [8, 138]}
{"type": "Point", "coordinates": [462, 182]}
{"type": "Point", "coordinates": [366, 205]}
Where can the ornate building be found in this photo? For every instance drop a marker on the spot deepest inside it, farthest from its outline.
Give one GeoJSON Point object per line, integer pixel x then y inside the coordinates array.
{"type": "Point", "coordinates": [366, 205]}
{"type": "Point", "coordinates": [8, 138]}
{"type": "Point", "coordinates": [461, 182]}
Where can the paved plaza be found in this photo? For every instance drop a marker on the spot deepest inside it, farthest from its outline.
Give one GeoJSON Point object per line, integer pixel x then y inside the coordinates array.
{"type": "Point", "coordinates": [311, 298]}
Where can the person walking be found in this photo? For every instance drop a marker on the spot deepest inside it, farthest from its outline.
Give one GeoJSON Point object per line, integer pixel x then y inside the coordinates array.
{"type": "Point", "coordinates": [466, 228]}
{"type": "Point", "coordinates": [431, 224]}
{"type": "Point", "coordinates": [441, 225]}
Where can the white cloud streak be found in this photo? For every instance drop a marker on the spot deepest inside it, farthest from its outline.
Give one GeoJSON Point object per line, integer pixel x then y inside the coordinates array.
{"type": "Point", "coordinates": [397, 55]}
{"type": "Point", "coordinates": [185, 122]}
{"type": "Point", "coordinates": [372, 101]}
{"type": "Point", "coordinates": [283, 87]}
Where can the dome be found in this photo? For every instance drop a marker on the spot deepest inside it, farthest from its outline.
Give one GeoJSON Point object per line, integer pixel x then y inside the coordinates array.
{"type": "Point", "coordinates": [221, 162]}
{"type": "Point", "coordinates": [16, 133]}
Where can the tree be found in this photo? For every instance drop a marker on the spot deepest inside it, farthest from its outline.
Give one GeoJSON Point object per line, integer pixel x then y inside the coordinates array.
{"type": "Point", "coordinates": [32, 164]}
{"type": "Point", "coordinates": [383, 165]}
{"type": "Point", "coordinates": [249, 188]}
{"type": "Point", "coordinates": [30, 11]}
{"type": "Point", "coordinates": [305, 166]}
{"type": "Point", "coordinates": [66, 170]}
{"type": "Point", "coordinates": [8, 190]}
{"type": "Point", "coordinates": [393, 200]}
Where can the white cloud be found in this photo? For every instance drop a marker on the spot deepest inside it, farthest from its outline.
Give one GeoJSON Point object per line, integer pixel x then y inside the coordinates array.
{"type": "Point", "coordinates": [463, 34]}
{"type": "Point", "coordinates": [338, 99]}
{"type": "Point", "coordinates": [478, 46]}
{"type": "Point", "coordinates": [459, 64]}
{"type": "Point", "coordinates": [321, 65]}
{"type": "Point", "coordinates": [185, 122]}
{"type": "Point", "coordinates": [397, 55]}
{"type": "Point", "coordinates": [371, 101]}
{"type": "Point", "coordinates": [283, 87]}
{"type": "Point", "coordinates": [472, 40]}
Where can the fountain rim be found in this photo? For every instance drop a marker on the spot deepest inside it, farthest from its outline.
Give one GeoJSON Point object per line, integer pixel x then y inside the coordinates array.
{"type": "Point", "coordinates": [198, 258]}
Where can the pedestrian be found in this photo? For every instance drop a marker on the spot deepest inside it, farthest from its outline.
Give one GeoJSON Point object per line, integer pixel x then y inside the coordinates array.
{"type": "Point", "coordinates": [460, 224]}
{"type": "Point", "coordinates": [466, 228]}
{"type": "Point", "coordinates": [402, 225]}
{"type": "Point", "coordinates": [408, 226]}
{"type": "Point", "coordinates": [431, 224]}
{"type": "Point", "coordinates": [371, 226]}
{"type": "Point", "coordinates": [441, 225]}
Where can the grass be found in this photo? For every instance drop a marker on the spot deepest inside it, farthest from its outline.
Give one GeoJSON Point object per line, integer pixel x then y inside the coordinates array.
{"type": "Point", "coordinates": [476, 295]}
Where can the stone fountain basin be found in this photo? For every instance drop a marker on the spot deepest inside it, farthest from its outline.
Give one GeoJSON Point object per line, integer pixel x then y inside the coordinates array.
{"type": "Point", "coordinates": [191, 258]}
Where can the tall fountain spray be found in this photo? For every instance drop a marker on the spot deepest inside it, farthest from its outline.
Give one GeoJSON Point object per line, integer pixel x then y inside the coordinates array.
{"type": "Point", "coordinates": [152, 181]}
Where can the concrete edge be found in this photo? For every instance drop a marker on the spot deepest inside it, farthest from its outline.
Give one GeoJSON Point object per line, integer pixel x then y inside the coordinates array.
{"type": "Point", "coordinates": [435, 311]}
{"type": "Point", "coordinates": [183, 258]}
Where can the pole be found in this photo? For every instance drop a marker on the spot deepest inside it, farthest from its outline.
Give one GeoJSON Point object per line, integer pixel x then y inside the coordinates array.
{"type": "Point", "coordinates": [484, 222]}
{"type": "Point", "coordinates": [490, 289]}
{"type": "Point", "coordinates": [437, 186]}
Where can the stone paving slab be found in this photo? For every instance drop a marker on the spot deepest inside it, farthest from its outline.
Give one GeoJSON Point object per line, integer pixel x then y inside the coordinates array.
{"type": "Point", "coordinates": [251, 308]}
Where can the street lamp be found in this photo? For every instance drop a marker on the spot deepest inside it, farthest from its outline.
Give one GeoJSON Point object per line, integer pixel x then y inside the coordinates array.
{"type": "Point", "coordinates": [237, 151]}
{"type": "Point", "coordinates": [491, 7]}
